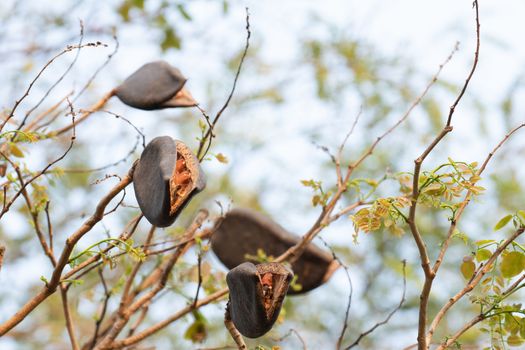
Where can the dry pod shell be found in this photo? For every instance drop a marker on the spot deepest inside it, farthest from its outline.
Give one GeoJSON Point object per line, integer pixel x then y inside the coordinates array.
{"type": "Point", "coordinates": [165, 179]}
{"type": "Point", "coordinates": [155, 85]}
{"type": "Point", "coordinates": [256, 295]}
{"type": "Point", "coordinates": [243, 232]}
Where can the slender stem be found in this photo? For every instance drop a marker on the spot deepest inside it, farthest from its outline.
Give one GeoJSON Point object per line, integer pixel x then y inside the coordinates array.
{"type": "Point", "coordinates": [69, 320]}
{"type": "Point", "coordinates": [236, 335]}
{"type": "Point", "coordinates": [85, 114]}
{"type": "Point", "coordinates": [71, 241]}
{"type": "Point", "coordinates": [474, 281]}
{"type": "Point", "coordinates": [157, 327]}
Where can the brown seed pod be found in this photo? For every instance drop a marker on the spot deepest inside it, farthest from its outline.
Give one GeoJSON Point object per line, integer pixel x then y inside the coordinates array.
{"type": "Point", "coordinates": [165, 179]}
{"type": "Point", "coordinates": [155, 85]}
{"type": "Point", "coordinates": [243, 232]}
{"type": "Point", "coordinates": [256, 295]}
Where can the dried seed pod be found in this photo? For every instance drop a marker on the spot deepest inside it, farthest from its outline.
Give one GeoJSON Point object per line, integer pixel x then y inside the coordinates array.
{"type": "Point", "coordinates": [243, 232]}
{"type": "Point", "coordinates": [155, 85]}
{"type": "Point", "coordinates": [165, 179]}
{"type": "Point", "coordinates": [256, 295]}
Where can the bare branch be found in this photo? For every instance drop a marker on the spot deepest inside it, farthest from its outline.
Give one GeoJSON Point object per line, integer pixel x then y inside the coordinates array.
{"type": "Point", "coordinates": [85, 114]}
{"type": "Point", "coordinates": [70, 66]}
{"type": "Point", "coordinates": [51, 286]}
{"type": "Point", "coordinates": [466, 200]}
{"type": "Point", "coordinates": [205, 142]}
{"type": "Point", "coordinates": [2, 252]}
{"type": "Point", "coordinates": [100, 318]}
{"type": "Point", "coordinates": [474, 281]}
{"type": "Point", "coordinates": [157, 327]}
{"type": "Point", "coordinates": [387, 319]}
{"type": "Point", "coordinates": [289, 333]}
{"type": "Point", "coordinates": [28, 90]}
{"type": "Point", "coordinates": [69, 320]}
{"type": "Point", "coordinates": [7, 205]}
{"type": "Point", "coordinates": [414, 104]}
{"type": "Point", "coordinates": [474, 65]}
{"type": "Point", "coordinates": [237, 337]}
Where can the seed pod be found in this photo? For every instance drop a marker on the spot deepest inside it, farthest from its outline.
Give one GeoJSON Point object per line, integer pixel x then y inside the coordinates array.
{"type": "Point", "coordinates": [256, 295]}
{"type": "Point", "coordinates": [243, 232]}
{"type": "Point", "coordinates": [155, 85]}
{"type": "Point", "coordinates": [165, 179]}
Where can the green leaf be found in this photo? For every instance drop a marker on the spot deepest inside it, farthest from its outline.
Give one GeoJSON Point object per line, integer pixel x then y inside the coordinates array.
{"type": "Point", "coordinates": [170, 40]}
{"type": "Point", "coordinates": [196, 332]}
{"type": "Point", "coordinates": [221, 158]}
{"type": "Point", "coordinates": [307, 183]}
{"type": "Point", "coordinates": [483, 254]}
{"type": "Point", "coordinates": [515, 340]}
{"type": "Point", "coordinates": [138, 3]}
{"type": "Point", "coordinates": [202, 125]}
{"type": "Point", "coordinates": [522, 214]}
{"type": "Point", "coordinates": [512, 264]}
{"type": "Point", "coordinates": [503, 222]}
{"type": "Point", "coordinates": [15, 150]}
{"type": "Point", "coordinates": [484, 242]}
{"type": "Point", "coordinates": [123, 11]}
{"type": "Point", "coordinates": [467, 269]}
{"type": "Point", "coordinates": [43, 279]}
{"type": "Point", "coordinates": [183, 12]}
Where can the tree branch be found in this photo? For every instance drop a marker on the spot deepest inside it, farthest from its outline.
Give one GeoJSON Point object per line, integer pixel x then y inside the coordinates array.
{"type": "Point", "coordinates": [387, 319]}
{"type": "Point", "coordinates": [53, 283]}
{"type": "Point", "coordinates": [472, 283]}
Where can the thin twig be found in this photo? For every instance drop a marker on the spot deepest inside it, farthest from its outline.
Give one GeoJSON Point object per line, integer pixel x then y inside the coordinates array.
{"type": "Point", "coordinates": [30, 86]}
{"type": "Point", "coordinates": [32, 211]}
{"type": "Point", "coordinates": [199, 273]}
{"type": "Point", "coordinates": [236, 335]}
{"type": "Point", "coordinates": [32, 126]}
{"type": "Point", "coordinates": [414, 104]}
{"type": "Point", "coordinates": [84, 115]}
{"type": "Point", "coordinates": [126, 311]}
{"type": "Point", "coordinates": [49, 227]}
{"type": "Point", "coordinates": [70, 243]}
{"type": "Point", "coordinates": [474, 281]}
{"type": "Point", "coordinates": [473, 69]}
{"type": "Point", "coordinates": [342, 146]}
{"type": "Point", "coordinates": [7, 205]}
{"type": "Point", "coordinates": [69, 320]}
{"type": "Point", "coordinates": [100, 318]}
{"type": "Point", "coordinates": [2, 252]}
{"type": "Point", "coordinates": [422, 338]}
{"type": "Point", "coordinates": [99, 69]}
{"type": "Point", "coordinates": [72, 274]}
{"type": "Point", "coordinates": [205, 142]}
{"type": "Point", "coordinates": [157, 327]}
{"type": "Point", "coordinates": [466, 200]}
{"type": "Point", "coordinates": [68, 69]}
{"type": "Point", "coordinates": [288, 334]}
{"type": "Point", "coordinates": [458, 216]}
{"type": "Point", "coordinates": [387, 319]}
{"type": "Point", "coordinates": [350, 293]}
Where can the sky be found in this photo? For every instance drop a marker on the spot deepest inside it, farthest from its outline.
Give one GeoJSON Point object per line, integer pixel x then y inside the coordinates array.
{"type": "Point", "coordinates": [423, 31]}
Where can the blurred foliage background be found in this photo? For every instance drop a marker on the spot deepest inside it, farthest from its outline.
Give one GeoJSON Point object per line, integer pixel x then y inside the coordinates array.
{"type": "Point", "coordinates": [308, 73]}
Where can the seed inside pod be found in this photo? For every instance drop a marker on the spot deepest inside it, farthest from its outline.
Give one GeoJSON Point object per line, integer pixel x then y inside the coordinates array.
{"type": "Point", "coordinates": [243, 232]}
{"type": "Point", "coordinates": [256, 296]}
{"type": "Point", "coordinates": [155, 85]}
{"type": "Point", "coordinates": [165, 179]}
{"type": "Point", "coordinates": [187, 179]}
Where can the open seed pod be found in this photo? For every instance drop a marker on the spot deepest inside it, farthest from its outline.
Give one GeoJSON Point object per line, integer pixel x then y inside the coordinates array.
{"type": "Point", "coordinates": [243, 232]}
{"type": "Point", "coordinates": [165, 179]}
{"type": "Point", "coordinates": [256, 295]}
{"type": "Point", "coordinates": [155, 85]}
